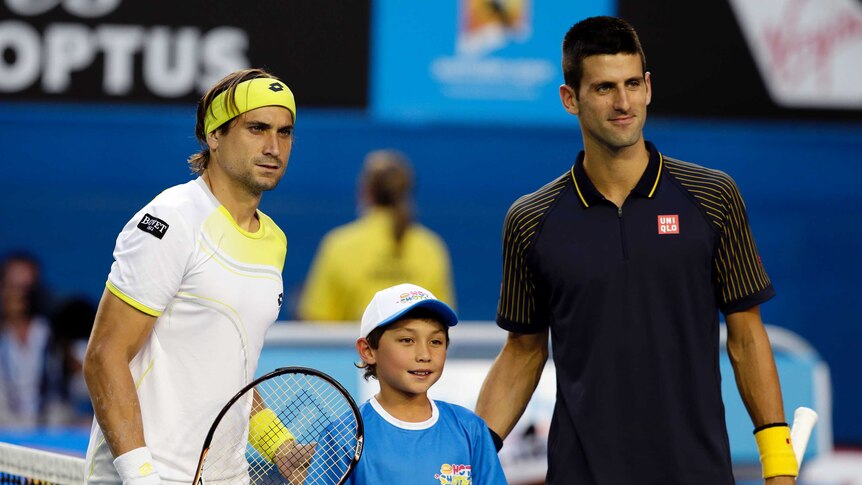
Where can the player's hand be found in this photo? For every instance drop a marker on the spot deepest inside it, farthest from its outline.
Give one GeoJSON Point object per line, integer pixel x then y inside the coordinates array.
{"type": "Point", "coordinates": [293, 460]}
{"type": "Point", "coordinates": [780, 481]}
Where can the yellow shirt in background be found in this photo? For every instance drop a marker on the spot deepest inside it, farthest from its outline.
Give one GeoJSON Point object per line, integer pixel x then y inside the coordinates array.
{"type": "Point", "coordinates": [356, 260]}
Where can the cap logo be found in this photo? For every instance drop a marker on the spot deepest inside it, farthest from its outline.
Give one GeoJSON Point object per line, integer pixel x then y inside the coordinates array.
{"type": "Point", "coordinates": [412, 296]}
{"type": "Point", "coordinates": [276, 87]}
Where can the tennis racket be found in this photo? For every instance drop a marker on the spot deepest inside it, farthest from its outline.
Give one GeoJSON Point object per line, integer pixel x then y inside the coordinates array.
{"type": "Point", "coordinates": [804, 420]}
{"type": "Point", "coordinates": [316, 439]}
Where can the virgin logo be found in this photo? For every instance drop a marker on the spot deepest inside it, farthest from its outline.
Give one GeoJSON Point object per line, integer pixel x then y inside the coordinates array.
{"type": "Point", "coordinates": [807, 51]}
{"type": "Point", "coordinates": [791, 44]}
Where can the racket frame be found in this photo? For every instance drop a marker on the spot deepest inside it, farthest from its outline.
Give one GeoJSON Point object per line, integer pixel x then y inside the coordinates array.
{"type": "Point", "coordinates": [360, 428]}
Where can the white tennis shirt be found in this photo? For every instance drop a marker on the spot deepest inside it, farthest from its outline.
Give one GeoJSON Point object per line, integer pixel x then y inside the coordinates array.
{"type": "Point", "coordinates": [216, 289]}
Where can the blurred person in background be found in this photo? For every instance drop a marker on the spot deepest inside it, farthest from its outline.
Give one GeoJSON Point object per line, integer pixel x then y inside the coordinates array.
{"type": "Point", "coordinates": [30, 377]}
{"type": "Point", "coordinates": [195, 285]}
{"type": "Point", "coordinates": [72, 323]}
{"type": "Point", "coordinates": [384, 247]}
{"type": "Point", "coordinates": [626, 259]}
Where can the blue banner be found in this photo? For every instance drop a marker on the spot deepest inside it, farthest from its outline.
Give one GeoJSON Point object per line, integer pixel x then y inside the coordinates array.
{"type": "Point", "coordinates": [472, 60]}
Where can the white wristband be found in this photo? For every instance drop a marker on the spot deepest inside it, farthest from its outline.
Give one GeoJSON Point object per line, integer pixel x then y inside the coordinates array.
{"type": "Point", "coordinates": [136, 467]}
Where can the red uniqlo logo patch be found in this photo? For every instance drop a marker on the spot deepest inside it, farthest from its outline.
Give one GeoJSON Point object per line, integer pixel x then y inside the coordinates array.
{"type": "Point", "coordinates": [668, 224]}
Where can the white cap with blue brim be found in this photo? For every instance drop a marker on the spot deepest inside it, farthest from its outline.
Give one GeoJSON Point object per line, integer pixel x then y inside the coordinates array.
{"type": "Point", "coordinates": [392, 303]}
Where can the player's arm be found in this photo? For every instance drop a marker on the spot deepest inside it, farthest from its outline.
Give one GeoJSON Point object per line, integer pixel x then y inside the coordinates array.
{"type": "Point", "coordinates": [118, 334]}
{"type": "Point", "coordinates": [756, 376]}
{"type": "Point", "coordinates": [512, 380]}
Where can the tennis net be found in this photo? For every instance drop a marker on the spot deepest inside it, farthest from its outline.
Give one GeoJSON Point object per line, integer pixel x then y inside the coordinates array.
{"type": "Point", "coordinates": [22, 465]}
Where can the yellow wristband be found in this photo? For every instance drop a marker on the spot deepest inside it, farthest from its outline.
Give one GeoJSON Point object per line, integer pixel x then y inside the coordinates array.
{"type": "Point", "coordinates": [266, 433]}
{"type": "Point", "coordinates": [776, 452]}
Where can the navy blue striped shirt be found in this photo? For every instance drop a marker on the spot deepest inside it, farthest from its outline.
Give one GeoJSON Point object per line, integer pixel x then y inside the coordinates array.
{"type": "Point", "coordinates": [632, 297]}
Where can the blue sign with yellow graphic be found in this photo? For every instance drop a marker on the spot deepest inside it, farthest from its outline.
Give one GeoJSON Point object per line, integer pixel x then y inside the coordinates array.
{"type": "Point", "coordinates": [472, 60]}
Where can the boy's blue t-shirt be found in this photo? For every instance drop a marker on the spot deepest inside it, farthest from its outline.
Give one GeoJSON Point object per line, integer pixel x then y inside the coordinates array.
{"type": "Point", "coordinates": [453, 447]}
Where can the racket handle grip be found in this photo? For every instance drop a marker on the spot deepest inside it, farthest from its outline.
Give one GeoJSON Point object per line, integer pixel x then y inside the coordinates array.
{"type": "Point", "coordinates": [804, 420]}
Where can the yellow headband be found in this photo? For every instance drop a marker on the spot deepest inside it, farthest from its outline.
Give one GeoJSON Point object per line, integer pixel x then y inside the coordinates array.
{"type": "Point", "coordinates": [249, 95]}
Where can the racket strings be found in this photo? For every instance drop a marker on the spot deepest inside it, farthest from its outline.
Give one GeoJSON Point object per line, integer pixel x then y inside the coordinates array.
{"type": "Point", "coordinates": [323, 436]}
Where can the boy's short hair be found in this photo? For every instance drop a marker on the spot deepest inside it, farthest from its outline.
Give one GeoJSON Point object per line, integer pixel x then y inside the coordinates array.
{"type": "Point", "coordinates": [397, 303]}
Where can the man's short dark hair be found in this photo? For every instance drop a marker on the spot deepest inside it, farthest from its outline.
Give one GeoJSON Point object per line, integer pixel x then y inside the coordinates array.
{"type": "Point", "coordinates": [596, 36]}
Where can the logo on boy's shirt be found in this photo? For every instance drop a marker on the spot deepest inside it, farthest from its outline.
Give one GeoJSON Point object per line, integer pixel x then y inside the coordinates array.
{"type": "Point", "coordinates": [454, 475]}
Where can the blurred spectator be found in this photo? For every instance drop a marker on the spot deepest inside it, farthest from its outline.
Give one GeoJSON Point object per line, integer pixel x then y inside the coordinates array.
{"type": "Point", "coordinates": [72, 324]}
{"type": "Point", "coordinates": [29, 377]}
{"type": "Point", "coordinates": [382, 248]}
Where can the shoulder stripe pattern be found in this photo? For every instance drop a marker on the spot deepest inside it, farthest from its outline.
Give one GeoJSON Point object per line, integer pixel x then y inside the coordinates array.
{"type": "Point", "coordinates": [517, 291]}
{"type": "Point", "coordinates": [736, 263]}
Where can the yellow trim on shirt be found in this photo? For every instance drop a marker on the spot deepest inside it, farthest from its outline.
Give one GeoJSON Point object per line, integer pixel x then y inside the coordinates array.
{"type": "Point", "coordinates": [261, 231]}
{"type": "Point", "coordinates": [141, 379]}
{"type": "Point", "coordinates": [658, 175]}
{"type": "Point", "coordinates": [266, 247]}
{"type": "Point", "coordinates": [578, 189]}
{"type": "Point", "coordinates": [132, 302]}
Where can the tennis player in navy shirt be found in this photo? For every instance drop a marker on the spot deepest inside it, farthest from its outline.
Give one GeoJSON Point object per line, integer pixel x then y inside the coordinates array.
{"type": "Point", "coordinates": [626, 259]}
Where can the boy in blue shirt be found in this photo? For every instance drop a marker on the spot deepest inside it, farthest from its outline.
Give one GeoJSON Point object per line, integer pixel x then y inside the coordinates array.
{"type": "Point", "coordinates": [410, 438]}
